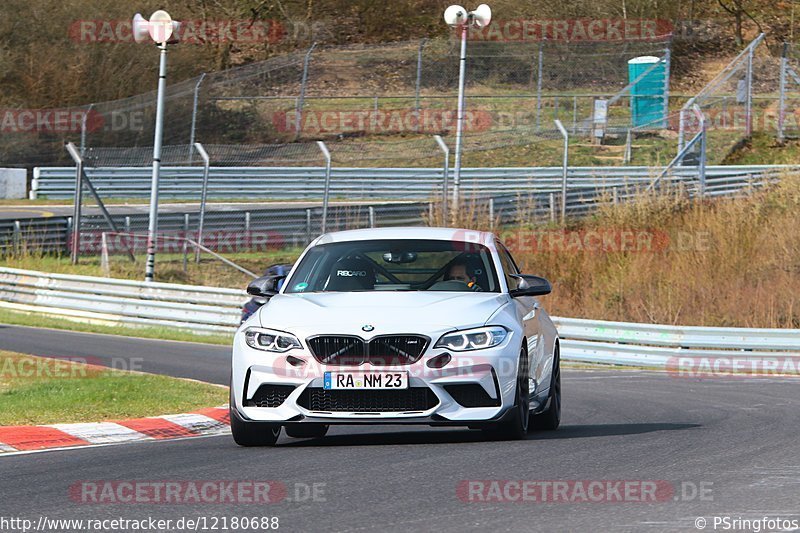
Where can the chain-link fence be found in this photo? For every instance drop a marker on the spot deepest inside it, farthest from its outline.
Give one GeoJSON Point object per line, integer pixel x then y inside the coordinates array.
{"type": "Point", "coordinates": [389, 92]}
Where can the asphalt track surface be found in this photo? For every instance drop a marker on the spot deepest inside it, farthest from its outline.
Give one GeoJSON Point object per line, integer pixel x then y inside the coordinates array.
{"type": "Point", "coordinates": [736, 439]}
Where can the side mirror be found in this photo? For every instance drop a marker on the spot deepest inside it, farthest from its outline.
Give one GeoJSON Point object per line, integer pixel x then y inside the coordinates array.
{"type": "Point", "coordinates": [265, 286]}
{"type": "Point", "coordinates": [528, 285]}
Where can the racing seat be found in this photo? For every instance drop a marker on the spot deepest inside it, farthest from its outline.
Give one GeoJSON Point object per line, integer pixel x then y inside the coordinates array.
{"type": "Point", "coordinates": [351, 274]}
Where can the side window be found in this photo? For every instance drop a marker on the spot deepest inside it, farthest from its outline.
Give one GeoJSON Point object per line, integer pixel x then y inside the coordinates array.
{"type": "Point", "coordinates": [509, 267]}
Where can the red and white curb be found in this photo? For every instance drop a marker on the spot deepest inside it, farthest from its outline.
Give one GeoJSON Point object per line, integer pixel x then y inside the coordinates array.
{"type": "Point", "coordinates": [209, 421]}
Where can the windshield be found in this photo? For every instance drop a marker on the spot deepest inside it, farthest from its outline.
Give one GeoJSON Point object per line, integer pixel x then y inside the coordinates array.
{"type": "Point", "coordinates": [395, 265]}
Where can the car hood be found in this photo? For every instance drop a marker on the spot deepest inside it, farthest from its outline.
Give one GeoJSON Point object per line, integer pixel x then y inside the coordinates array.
{"type": "Point", "coordinates": [385, 311]}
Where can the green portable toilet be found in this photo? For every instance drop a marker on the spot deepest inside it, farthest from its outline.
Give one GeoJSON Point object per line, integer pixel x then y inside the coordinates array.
{"type": "Point", "coordinates": [648, 94]}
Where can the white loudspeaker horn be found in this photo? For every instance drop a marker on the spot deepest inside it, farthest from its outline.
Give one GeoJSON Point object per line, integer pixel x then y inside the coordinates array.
{"type": "Point", "coordinates": [161, 27]}
{"type": "Point", "coordinates": [140, 28]}
{"type": "Point", "coordinates": [482, 16]}
{"type": "Point", "coordinates": [455, 15]}
{"type": "Point", "coordinates": [176, 33]}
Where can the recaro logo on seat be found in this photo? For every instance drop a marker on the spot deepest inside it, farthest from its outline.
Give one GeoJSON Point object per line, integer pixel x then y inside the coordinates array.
{"type": "Point", "coordinates": [352, 273]}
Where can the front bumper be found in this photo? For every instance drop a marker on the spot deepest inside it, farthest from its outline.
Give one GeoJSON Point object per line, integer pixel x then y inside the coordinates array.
{"type": "Point", "coordinates": [474, 387]}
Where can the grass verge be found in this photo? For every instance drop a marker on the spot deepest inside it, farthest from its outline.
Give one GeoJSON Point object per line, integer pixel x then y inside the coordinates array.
{"type": "Point", "coordinates": [37, 390]}
{"type": "Point", "coordinates": [36, 320]}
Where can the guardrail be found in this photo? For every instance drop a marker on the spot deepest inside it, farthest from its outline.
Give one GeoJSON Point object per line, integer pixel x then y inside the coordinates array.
{"type": "Point", "coordinates": [136, 303]}
{"type": "Point", "coordinates": [284, 225]}
{"type": "Point", "coordinates": [117, 301]}
{"type": "Point", "coordinates": [379, 183]}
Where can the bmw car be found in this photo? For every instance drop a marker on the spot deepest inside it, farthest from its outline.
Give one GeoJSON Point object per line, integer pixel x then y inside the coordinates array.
{"type": "Point", "coordinates": [430, 326]}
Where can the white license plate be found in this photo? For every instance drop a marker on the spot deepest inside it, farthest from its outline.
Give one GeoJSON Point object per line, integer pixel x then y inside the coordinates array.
{"type": "Point", "coordinates": [365, 380]}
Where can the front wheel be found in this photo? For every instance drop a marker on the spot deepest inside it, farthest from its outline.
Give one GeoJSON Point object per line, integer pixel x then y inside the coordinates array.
{"type": "Point", "coordinates": [516, 427]}
{"type": "Point", "coordinates": [247, 433]}
{"type": "Point", "coordinates": [550, 418]}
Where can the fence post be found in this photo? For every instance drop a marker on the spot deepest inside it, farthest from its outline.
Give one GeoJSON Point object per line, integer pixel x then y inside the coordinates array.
{"type": "Point", "coordinates": [192, 131]}
{"type": "Point", "coordinates": [83, 128]}
{"type": "Point", "coordinates": [105, 264]}
{"type": "Point", "coordinates": [749, 96]}
{"type": "Point", "coordinates": [782, 95]}
{"type": "Point", "coordinates": [186, 242]}
{"type": "Point", "coordinates": [491, 214]}
{"type": "Point", "coordinates": [667, 62]}
{"type": "Point", "coordinates": [445, 175]}
{"type": "Point", "coordinates": [17, 237]}
{"type": "Point", "coordinates": [418, 85]}
{"type": "Point", "coordinates": [552, 207]}
{"type": "Point", "coordinates": [628, 154]}
{"type": "Point", "coordinates": [203, 197]}
{"type": "Point", "coordinates": [76, 209]}
{"type": "Point", "coordinates": [702, 162]}
{"type": "Point", "coordinates": [371, 211]}
{"type": "Point", "coordinates": [301, 99]}
{"type": "Point", "coordinates": [564, 169]}
{"type": "Point", "coordinates": [539, 87]}
{"type": "Point", "coordinates": [308, 225]}
{"type": "Point", "coordinates": [574, 113]}
{"type": "Point", "coordinates": [326, 193]}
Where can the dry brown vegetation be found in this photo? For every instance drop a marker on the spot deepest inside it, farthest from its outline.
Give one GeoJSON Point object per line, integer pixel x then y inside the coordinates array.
{"type": "Point", "coordinates": [726, 262]}
{"type": "Point", "coordinates": [44, 65]}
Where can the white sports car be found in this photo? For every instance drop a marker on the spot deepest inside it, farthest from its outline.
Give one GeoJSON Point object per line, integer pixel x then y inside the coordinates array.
{"type": "Point", "coordinates": [426, 326]}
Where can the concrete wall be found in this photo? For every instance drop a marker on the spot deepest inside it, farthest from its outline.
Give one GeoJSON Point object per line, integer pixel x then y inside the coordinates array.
{"type": "Point", "coordinates": [13, 183]}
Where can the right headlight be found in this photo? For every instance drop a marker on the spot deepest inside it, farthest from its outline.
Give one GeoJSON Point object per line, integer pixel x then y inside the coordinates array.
{"type": "Point", "coordinates": [270, 340]}
{"type": "Point", "coordinates": [473, 339]}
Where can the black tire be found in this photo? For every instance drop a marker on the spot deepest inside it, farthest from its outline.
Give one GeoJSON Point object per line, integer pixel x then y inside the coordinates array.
{"type": "Point", "coordinates": [306, 431]}
{"type": "Point", "coordinates": [550, 418]}
{"type": "Point", "coordinates": [516, 426]}
{"type": "Point", "coordinates": [252, 433]}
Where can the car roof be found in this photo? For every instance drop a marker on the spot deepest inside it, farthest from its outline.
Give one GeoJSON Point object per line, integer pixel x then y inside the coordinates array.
{"type": "Point", "coordinates": [407, 233]}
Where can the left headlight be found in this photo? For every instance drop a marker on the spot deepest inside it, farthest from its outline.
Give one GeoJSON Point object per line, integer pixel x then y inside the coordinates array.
{"type": "Point", "coordinates": [270, 340]}
{"type": "Point", "coordinates": [473, 339]}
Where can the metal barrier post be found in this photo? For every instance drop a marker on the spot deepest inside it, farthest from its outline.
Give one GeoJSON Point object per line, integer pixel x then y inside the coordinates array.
{"type": "Point", "coordinates": [371, 212]}
{"type": "Point", "coordinates": [539, 87]}
{"type": "Point", "coordinates": [628, 154]}
{"type": "Point", "coordinates": [301, 99]}
{"type": "Point", "coordinates": [749, 102]}
{"type": "Point", "coordinates": [327, 191]}
{"type": "Point", "coordinates": [418, 85]}
{"type": "Point", "coordinates": [192, 132]}
{"type": "Point", "coordinates": [203, 197]}
{"type": "Point", "coordinates": [84, 119]}
{"type": "Point", "coordinates": [782, 95]}
{"type": "Point", "coordinates": [564, 169]}
{"type": "Point", "coordinates": [185, 242]}
{"type": "Point", "coordinates": [701, 171]}
{"type": "Point", "coordinates": [76, 210]}
{"type": "Point", "coordinates": [445, 175]}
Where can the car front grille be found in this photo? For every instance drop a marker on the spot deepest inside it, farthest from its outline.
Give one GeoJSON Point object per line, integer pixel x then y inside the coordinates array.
{"type": "Point", "coordinates": [471, 395]}
{"type": "Point", "coordinates": [368, 401]}
{"type": "Point", "coordinates": [384, 350]}
{"type": "Point", "coordinates": [270, 395]}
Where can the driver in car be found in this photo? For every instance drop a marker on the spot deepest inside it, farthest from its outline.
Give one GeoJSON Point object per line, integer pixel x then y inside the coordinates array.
{"type": "Point", "coordinates": [459, 271]}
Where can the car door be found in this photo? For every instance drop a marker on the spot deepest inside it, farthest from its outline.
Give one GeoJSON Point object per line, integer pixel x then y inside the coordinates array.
{"type": "Point", "coordinates": [528, 313]}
